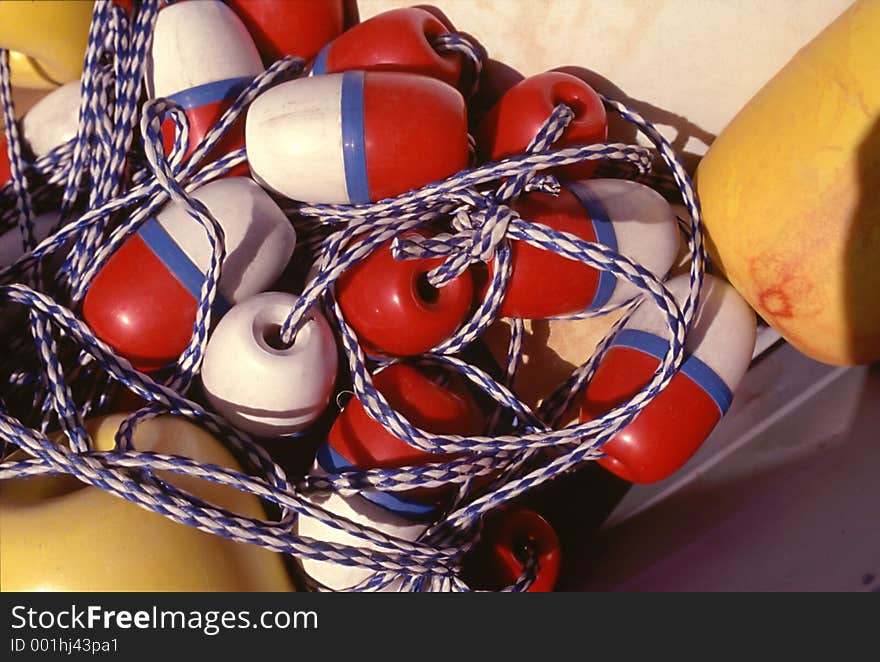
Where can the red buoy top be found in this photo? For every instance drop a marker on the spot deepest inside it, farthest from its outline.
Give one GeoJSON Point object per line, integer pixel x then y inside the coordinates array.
{"type": "Point", "coordinates": [394, 310]}
{"type": "Point", "coordinates": [396, 40]}
{"type": "Point", "coordinates": [290, 27]}
{"type": "Point", "coordinates": [426, 404]}
{"type": "Point", "coordinates": [499, 557]}
{"type": "Point", "coordinates": [356, 137]}
{"type": "Point", "coordinates": [517, 117]}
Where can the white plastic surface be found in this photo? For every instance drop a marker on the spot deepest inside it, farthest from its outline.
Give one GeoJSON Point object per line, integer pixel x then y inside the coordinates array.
{"type": "Point", "coordinates": [294, 139]}
{"type": "Point", "coordinates": [259, 238]}
{"type": "Point", "coordinates": [356, 509]}
{"type": "Point", "coordinates": [52, 121]}
{"type": "Point", "coordinates": [263, 389]}
{"type": "Point", "coordinates": [644, 227]}
{"type": "Point", "coordinates": [195, 43]}
{"type": "Point", "coordinates": [723, 332]}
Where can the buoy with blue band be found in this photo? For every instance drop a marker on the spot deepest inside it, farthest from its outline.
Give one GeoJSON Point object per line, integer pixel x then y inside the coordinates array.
{"type": "Point", "coordinates": [518, 115]}
{"type": "Point", "coordinates": [666, 433]}
{"type": "Point", "coordinates": [395, 40]}
{"type": "Point", "coordinates": [356, 137]}
{"type": "Point", "coordinates": [625, 216]}
{"type": "Point", "coordinates": [357, 440]}
{"type": "Point", "coordinates": [285, 27]}
{"type": "Point", "coordinates": [260, 385]}
{"type": "Point", "coordinates": [332, 462]}
{"type": "Point", "coordinates": [143, 301]}
{"type": "Point", "coordinates": [202, 58]}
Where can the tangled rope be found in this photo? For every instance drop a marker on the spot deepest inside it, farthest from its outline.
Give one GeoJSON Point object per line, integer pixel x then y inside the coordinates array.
{"type": "Point", "coordinates": [110, 184]}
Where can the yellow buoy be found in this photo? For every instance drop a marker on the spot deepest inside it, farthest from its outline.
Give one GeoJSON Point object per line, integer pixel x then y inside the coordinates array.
{"type": "Point", "coordinates": [790, 193]}
{"type": "Point", "coordinates": [47, 40]}
{"type": "Point", "coordinates": [59, 534]}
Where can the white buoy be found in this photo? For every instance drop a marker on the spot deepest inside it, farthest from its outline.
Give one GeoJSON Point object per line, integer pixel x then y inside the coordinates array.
{"type": "Point", "coordinates": [259, 385]}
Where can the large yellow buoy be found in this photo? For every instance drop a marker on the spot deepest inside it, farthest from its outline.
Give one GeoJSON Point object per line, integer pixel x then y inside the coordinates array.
{"type": "Point", "coordinates": [57, 534]}
{"type": "Point", "coordinates": [47, 40]}
{"type": "Point", "coordinates": [790, 193]}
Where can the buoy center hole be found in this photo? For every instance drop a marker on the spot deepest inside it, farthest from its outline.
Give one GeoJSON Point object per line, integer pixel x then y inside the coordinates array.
{"type": "Point", "coordinates": [522, 548]}
{"type": "Point", "coordinates": [272, 337]}
{"type": "Point", "coordinates": [427, 292]}
{"type": "Point", "coordinates": [576, 105]}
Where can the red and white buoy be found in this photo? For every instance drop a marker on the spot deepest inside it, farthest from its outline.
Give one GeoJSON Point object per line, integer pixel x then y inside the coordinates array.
{"type": "Point", "coordinates": [202, 58]}
{"type": "Point", "coordinates": [143, 301]}
{"type": "Point", "coordinates": [356, 137]}
{"type": "Point", "coordinates": [666, 433]}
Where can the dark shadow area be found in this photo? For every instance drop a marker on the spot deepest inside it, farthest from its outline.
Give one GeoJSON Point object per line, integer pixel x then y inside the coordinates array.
{"type": "Point", "coordinates": [862, 254]}
{"type": "Point", "coordinates": [576, 504]}
{"type": "Point", "coordinates": [495, 79]}
{"type": "Point", "coordinates": [352, 14]}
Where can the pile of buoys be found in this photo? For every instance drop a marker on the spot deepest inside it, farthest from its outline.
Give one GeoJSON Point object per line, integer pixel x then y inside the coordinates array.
{"type": "Point", "coordinates": [362, 226]}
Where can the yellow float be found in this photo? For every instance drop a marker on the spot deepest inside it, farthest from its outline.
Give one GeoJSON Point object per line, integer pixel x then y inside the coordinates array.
{"type": "Point", "coordinates": [790, 193]}
{"type": "Point", "coordinates": [47, 40]}
{"type": "Point", "coordinates": [59, 534]}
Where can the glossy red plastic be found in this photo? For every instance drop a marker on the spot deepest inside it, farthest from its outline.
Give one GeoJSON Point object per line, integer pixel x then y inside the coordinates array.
{"type": "Point", "coordinates": [542, 283]}
{"type": "Point", "coordinates": [518, 116]}
{"type": "Point", "coordinates": [394, 310]}
{"type": "Point", "coordinates": [290, 27]}
{"type": "Point", "coordinates": [365, 443]}
{"type": "Point", "coordinates": [665, 434]}
{"type": "Point", "coordinates": [201, 120]}
{"type": "Point", "coordinates": [395, 40]}
{"type": "Point", "coordinates": [415, 132]}
{"type": "Point", "coordinates": [499, 557]}
{"type": "Point", "coordinates": [5, 174]}
{"type": "Point", "coordinates": [128, 5]}
{"type": "Point", "coordinates": [127, 307]}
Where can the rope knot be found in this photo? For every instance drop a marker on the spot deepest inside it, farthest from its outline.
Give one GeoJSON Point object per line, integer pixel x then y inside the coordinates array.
{"type": "Point", "coordinates": [483, 229]}
{"type": "Point", "coordinates": [480, 226]}
{"type": "Point", "coordinates": [543, 184]}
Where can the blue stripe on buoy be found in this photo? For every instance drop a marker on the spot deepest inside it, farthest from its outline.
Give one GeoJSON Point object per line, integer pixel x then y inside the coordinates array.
{"type": "Point", "coordinates": [319, 68]}
{"type": "Point", "coordinates": [202, 95]}
{"type": "Point", "coordinates": [353, 137]}
{"type": "Point", "coordinates": [181, 267]}
{"type": "Point", "coordinates": [333, 462]}
{"type": "Point", "coordinates": [604, 230]}
{"type": "Point", "coordinates": [699, 372]}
